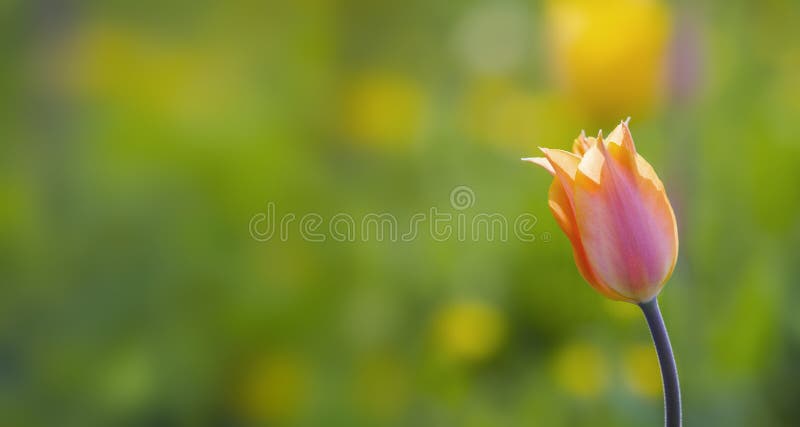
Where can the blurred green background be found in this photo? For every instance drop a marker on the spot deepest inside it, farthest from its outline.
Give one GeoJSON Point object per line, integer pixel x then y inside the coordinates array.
{"type": "Point", "coordinates": [139, 139]}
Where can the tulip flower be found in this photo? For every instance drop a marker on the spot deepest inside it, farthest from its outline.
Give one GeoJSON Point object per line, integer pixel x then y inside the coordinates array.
{"type": "Point", "coordinates": [614, 210]}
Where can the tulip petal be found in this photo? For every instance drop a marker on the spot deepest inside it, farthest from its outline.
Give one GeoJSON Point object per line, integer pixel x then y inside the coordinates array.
{"type": "Point", "coordinates": [648, 173]}
{"type": "Point", "coordinates": [540, 161]}
{"type": "Point", "coordinates": [562, 211]}
{"type": "Point", "coordinates": [591, 165]}
{"type": "Point", "coordinates": [565, 165]}
{"type": "Point", "coordinates": [620, 148]}
{"type": "Point", "coordinates": [621, 135]}
{"type": "Point", "coordinates": [581, 144]}
{"type": "Point", "coordinates": [625, 222]}
{"type": "Point", "coordinates": [564, 162]}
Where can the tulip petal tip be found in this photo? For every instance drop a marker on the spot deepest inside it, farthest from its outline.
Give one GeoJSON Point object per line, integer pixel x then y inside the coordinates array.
{"type": "Point", "coordinates": [542, 162]}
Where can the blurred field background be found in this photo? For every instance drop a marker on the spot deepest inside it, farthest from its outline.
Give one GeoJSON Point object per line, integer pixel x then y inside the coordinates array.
{"type": "Point", "coordinates": [140, 138]}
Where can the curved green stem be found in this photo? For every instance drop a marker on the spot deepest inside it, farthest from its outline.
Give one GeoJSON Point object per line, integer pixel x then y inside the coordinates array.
{"type": "Point", "coordinates": [669, 371]}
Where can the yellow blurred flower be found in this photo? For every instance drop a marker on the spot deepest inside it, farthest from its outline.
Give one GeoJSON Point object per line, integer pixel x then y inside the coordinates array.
{"type": "Point", "coordinates": [609, 57]}
{"type": "Point", "coordinates": [274, 388]}
{"type": "Point", "coordinates": [384, 109]}
{"type": "Point", "coordinates": [136, 70]}
{"type": "Point", "coordinates": [641, 372]}
{"type": "Point", "coordinates": [469, 331]}
{"type": "Point", "coordinates": [581, 369]}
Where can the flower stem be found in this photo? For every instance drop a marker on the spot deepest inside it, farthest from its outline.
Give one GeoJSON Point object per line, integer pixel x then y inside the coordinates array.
{"type": "Point", "coordinates": [669, 371]}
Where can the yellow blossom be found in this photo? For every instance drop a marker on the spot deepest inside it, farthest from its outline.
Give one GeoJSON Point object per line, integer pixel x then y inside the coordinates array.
{"type": "Point", "coordinates": [469, 331]}
{"type": "Point", "coordinates": [609, 57]}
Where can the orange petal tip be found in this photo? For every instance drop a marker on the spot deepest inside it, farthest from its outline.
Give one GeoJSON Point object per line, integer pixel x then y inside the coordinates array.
{"type": "Point", "coordinates": [540, 161]}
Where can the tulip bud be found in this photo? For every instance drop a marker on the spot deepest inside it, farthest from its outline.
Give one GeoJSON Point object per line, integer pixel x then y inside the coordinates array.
{"type": "Point", "coordinates": [613, 208]}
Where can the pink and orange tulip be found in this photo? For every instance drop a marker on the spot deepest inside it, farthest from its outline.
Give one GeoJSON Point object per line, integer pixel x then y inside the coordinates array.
{"type": "Point", "coordinates": [613, 208]}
